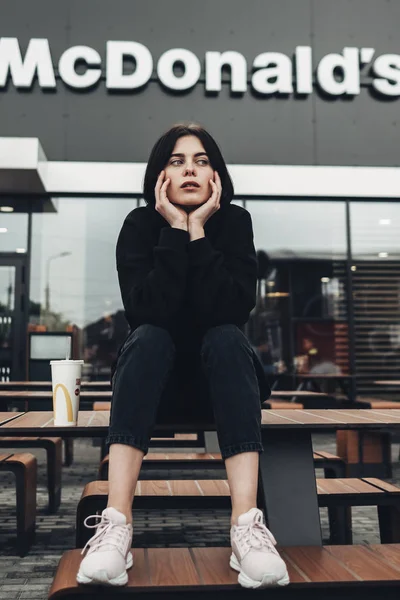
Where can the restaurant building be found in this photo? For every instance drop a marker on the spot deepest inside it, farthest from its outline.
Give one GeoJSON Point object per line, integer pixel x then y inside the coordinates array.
{"type": "Point", "coordinates": [303, 99]}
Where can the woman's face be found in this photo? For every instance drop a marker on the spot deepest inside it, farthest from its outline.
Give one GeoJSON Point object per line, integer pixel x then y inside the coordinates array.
{"type": "Point", "coordinates": [189, 163]}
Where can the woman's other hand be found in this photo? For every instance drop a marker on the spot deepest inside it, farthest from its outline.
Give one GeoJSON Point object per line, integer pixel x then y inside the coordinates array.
{"type": "Point", "coordinates": [175, 216]}
{"type": "Point", "coordinates": [201, 215]}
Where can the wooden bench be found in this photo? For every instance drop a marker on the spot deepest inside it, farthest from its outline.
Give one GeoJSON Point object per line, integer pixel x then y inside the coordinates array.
{"type": "Point", "coordinates": [331, 572]}
{"type": "Point", "coordinates": [338, 495]}
{"type": "Point", "coordinates": [24, 467]}
{"type": "Point", "coordinates": [332, 465]}
{"type": "Point", "coordinates": [367, 454]}
{"type": "Point", "coordinates": [53, 448]}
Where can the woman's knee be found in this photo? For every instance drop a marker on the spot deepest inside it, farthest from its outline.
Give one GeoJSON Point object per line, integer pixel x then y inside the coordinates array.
{"type": "Point", "coordinates": [148, 338]}
{"type": "Point", "coordinates": [223, 337]}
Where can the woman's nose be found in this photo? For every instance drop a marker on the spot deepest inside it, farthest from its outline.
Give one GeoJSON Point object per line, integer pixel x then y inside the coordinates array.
{"type": "Point", "coordinates": [189, 170]}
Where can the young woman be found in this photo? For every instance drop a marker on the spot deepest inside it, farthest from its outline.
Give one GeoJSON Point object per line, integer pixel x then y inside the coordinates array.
{"type": "Point", "coordinates": [187, 270]}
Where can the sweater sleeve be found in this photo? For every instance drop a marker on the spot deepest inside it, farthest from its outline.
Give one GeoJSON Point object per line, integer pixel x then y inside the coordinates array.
{"type": "Point", "coordinates": [152, 278]}
{"type": "Point", "coordinates": [223, 282]}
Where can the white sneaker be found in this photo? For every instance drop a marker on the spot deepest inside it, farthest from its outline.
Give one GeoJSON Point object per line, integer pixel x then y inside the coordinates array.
{"type": "Point", "coordinates": [254, 554]}
{"type": "Point", "coordinates": [108, 551]}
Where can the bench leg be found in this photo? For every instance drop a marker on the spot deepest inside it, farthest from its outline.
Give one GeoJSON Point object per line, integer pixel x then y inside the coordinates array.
{"type": "Point", "coordinates": [69, 451]}
{"type": "Point", "coordinates": [389, 524]}
{"type": "Point", "coordinates": [54, 474]}
{"type": "Point", "coordinates": [340, 525]}
{"type": "Point", "coordinates": [26, 484]}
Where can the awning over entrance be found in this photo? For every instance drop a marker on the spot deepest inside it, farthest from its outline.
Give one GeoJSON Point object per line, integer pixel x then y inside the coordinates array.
{"type": "Point", "coordinates": [22, 166]}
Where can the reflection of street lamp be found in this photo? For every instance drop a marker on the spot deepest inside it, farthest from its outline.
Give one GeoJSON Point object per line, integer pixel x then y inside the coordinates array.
{"type": "Point", "coordinates": [47, 288]}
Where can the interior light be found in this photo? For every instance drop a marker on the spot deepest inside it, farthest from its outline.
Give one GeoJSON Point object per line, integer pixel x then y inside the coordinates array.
{"type": "Point", "coordinates": [20, 250]}
{"type": "Point", "coordinates": [383, 254]}
{"type": "Point", "coordinates": [3, 229]}
{"type": "Point", "coordinates": [6, 209]}
{"type": "Point", "coordinates": [354, 268]}
{"type": "Point", "coordinates": [325, 279]}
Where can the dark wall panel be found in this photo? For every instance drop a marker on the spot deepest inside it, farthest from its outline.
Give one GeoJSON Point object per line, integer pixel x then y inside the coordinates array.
{"type": "Point", "coordinates": [96, 125]}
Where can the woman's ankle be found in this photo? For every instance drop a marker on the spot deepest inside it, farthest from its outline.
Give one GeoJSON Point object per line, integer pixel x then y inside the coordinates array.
{"type": "Point", "coordinates": [127, 512]}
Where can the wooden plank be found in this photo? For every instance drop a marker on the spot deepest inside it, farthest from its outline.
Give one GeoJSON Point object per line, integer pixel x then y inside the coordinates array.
{"type": "Point", "coordinates": [349, 485]}
{"type": "Point", "coordinates": [390, 553]}
{"type": "Point", "coordinates": [185, 487]}
{"type": "Point", "coordinates": [33, 384]}
{"type": "Point", "coordinates": [3, 457]}
{"type": "Point", "coordinates": [182, 456]}
{"type": "Point", "coordinates": [317, 565]}
{"type": "Point", "coordinates": [30, 419]}
{"type": "Point", "coordinates": [214, 487]}
{"type": "Point", "coordinates": [212, 565]}
{"type": "Point", "coordinates": [47, 394]}
{"type": "Point", "coordinates": [102, 406]}
{"type": "Point", "coordinates": [153, 488]}
{"type": "Point", "coordinates": [299, 393]}
{"type": "Point", "coordinates": [172, 569]}
{"type": "Point", "coordinates": [9, 416]}
{"type": "Point", "coordinates": [365, 564]}
{"type": "Point", "coordinates": [383, 485]}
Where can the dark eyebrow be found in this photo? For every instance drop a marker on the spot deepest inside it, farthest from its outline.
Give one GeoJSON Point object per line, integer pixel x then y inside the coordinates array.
{"type": "Point", "coordinates": [182, 155]}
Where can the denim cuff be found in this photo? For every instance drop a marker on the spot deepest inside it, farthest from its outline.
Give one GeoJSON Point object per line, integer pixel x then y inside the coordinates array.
{"type": "Point", "coordinates": [228, 451]}
{"type": "Point", "coordinates": [128, 440]}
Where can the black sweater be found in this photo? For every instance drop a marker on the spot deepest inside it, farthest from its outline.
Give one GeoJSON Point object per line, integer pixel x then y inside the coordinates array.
{"type": "Point", "coordinates": [187, 286]}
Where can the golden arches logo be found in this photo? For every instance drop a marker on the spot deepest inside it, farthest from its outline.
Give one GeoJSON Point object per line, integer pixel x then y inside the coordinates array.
{"type": "Point", "coordinates": [67, 399]}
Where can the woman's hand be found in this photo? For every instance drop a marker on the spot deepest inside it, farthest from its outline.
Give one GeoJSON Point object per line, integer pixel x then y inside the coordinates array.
{"type": "Point", "coordinates": [201, 215]}
{"type": "Point", "coordinates": [176, 217]}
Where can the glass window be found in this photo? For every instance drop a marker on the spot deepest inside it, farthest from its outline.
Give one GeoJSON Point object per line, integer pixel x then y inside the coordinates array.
{"type": "Point", "coordinates": [375, 247]}
{"type": "Point", "coordinates": [13, 232]}
{"type": "Point", "coordinates": [299, 322]}
{"type": "Point", "coordinates": [74, 284]}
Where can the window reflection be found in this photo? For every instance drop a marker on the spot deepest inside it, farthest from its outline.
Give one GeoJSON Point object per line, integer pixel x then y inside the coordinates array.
{"type": "Point", "coordinates": [299, 324]}
{"type": "Point", "coordinates": [74, 284]}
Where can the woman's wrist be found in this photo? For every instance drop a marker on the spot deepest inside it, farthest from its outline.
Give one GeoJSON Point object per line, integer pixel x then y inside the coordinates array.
{"type": "Point", "coordinates": [183, 226]}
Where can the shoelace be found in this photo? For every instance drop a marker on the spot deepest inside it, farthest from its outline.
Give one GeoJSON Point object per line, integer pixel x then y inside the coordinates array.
{"type": "Point", "coordinates": [255, 535]}
{"type": "Point", "coordinates": [116, 534]}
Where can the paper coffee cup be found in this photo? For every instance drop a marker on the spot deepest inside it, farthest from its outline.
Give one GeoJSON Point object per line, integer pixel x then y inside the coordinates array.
{"type": "Point", "coordinates": [66, 382]}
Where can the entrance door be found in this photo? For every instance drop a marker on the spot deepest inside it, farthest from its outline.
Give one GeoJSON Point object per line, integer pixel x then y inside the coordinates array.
{"type": "Point", "coordinates": [12, 317]}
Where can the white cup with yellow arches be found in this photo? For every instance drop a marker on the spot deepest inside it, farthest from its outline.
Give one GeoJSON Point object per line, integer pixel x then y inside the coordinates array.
{"type": "Point", "coordinates": [66, 381]}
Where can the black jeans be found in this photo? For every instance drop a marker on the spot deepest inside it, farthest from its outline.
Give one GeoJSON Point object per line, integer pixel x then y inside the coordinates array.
{"type": "Point", "coordinates": [144, 366]}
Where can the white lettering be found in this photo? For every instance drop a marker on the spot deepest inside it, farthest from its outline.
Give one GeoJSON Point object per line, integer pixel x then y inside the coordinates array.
{"type": "Point", "coordinates": [66, 67]}
{"type": "Point", "coordinates": [214, 63]}
{"type": "Point", "coordinates": [387, 67]}
{"type": "Point", "coordinates": [281, 72]}
{"type": "Point", "coordinates": [116, 78]}
{"type": "Point", "coordinates": [165, 69]}
{"type": "Point", "coordinates": [348, 63]}
{"type": "Point", "coordinates": [272, 72]}
{"type": "Point", "coordinates": [304, 69]}
{"type": "Point", "coordinates": [37, 61]}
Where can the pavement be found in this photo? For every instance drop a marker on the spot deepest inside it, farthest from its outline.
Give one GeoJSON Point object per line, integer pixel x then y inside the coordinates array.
{"type": "Point", "coordinates": [31, 576]}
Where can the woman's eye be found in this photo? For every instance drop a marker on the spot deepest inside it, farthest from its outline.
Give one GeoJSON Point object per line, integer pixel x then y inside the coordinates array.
{"type": "Point", "coordinates": [203, 161]}
{"type": "Point", "coordinates": [176, 161]}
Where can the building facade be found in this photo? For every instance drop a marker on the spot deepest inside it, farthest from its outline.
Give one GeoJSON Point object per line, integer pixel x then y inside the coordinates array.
{"type": "Point", "coordinates": [303, 99]}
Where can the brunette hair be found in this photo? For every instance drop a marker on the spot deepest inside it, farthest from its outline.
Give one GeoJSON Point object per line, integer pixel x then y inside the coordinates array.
{"type": "Point", "coordinates": [163, 149]}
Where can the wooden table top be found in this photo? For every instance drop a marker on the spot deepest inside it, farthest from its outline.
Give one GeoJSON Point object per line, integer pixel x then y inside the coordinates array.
{"type": "Point", "coordinates": [33, 384]}
{"type": "Point", "coordinates": [388, 382]}
{"type": "Point", "coordinates": [323, 376]}
{"type": "Point", "coordinates": [95, 423]}
{"type": "Point", "coordinates": [107, 394]}
{"type": "Point", "coordinates": [286, 393]}
{"type": "Point", "coordinates": [44, 394]}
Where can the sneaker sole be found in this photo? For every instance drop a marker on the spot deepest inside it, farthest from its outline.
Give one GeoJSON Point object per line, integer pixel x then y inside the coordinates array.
{"type": "Point", "coordinates": [247, 582]}
{"type": "Point", "coordinates": [100, 577]}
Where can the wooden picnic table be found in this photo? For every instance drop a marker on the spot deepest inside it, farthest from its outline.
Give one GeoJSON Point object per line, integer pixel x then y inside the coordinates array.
{"type": "Point", "coordinates": [9, 385]}
{"type": "Point", "coordinates": [287, 477]}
